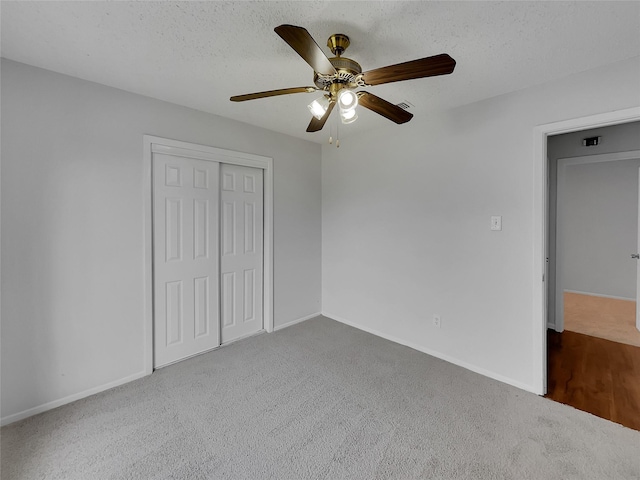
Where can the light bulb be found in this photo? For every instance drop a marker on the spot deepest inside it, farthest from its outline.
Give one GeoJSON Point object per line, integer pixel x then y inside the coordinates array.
{"type": "Point", "coordinates": [347, 100]}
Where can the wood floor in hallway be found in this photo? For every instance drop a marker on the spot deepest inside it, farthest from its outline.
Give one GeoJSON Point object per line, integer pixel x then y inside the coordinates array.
{"type": "Point", "coordinates": [595, 375]}
{"type": "Point", "coordinates": [610, 318]}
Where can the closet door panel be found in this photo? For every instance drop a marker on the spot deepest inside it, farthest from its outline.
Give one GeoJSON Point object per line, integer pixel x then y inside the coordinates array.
{"type": "Point", "coordinates": [242, 251]}
{"type": "Point", "coordinates": [186, 259]}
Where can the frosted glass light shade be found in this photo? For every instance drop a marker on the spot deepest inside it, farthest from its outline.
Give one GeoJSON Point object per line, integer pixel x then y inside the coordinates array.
{"type": "Point", "coordinates": [347, 100]}
{"type": "Point", "coordinates": [319, 107]}
{"type": "Point", "coordinates": [348, 116]}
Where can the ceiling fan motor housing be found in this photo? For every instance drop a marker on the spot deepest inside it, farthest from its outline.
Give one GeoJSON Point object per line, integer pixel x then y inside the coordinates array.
{"type": "Point", "coordinates": [347, 69]}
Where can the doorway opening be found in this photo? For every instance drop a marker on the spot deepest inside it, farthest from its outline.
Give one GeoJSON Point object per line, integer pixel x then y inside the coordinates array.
{"type": "Point", "coordinates": [592, 275]}
{"type": "Point", "coordinates": [593, 233]}
{"type": "Point", "coordinates": [541, 225]}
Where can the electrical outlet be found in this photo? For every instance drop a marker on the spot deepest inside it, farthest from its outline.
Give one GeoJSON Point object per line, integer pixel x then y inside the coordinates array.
{"type": "Point", "coordinates": [436, 321]}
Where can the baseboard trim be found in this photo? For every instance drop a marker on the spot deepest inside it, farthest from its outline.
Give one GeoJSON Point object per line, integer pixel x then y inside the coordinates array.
{"type": "Point", "coordinates": [92, 391]}
{"type": "Point", "coordinates": [71, 398]}
{"type": "Point", "coordinates": [298, 320]}
{"type": "Point", "coordinates": [231, 342]}
{"type": "Point", "coordinates": [614, 297]}
{"type": "Point", "coordinates": [441, 356]}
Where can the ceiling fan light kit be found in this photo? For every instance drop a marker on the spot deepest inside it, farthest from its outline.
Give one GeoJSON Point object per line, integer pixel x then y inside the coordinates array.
{"type": "Point", "coordinates": [339, 76]}
{"type": "Point", "coordinates": [348, 101]}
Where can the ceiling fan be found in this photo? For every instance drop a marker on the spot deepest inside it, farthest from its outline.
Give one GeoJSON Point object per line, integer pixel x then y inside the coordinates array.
{"type": "Point", "coordinates": [339, 76]}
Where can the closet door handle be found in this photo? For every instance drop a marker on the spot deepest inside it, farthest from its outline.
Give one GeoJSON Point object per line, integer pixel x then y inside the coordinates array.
{"type": "Point", "coordinates": [636, 256]}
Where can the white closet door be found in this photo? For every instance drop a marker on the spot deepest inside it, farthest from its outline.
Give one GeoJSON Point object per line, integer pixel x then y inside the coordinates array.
{"type": "Point", "coordinates": [241, 251]}
{"type": "Point", "coordinates": [186, 265]}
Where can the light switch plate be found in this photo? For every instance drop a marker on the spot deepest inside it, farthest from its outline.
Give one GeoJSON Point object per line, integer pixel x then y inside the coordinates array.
{"type": "Point", "coordinates": [496, 222]}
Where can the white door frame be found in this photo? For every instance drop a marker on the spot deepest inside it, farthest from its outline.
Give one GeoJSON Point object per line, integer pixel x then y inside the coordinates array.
{"type": "Point", "coordinates": [152, 144]}
{"type": "Point", "coordinates": [563, 163]}
{"type": "Point", "coordinates": [540, 222]}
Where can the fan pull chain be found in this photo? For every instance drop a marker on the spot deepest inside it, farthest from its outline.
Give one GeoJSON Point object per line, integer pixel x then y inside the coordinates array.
{"type": "Point", "coordinates": [330, 137]}
{"type": "Point", "coordinates": [338, 135]}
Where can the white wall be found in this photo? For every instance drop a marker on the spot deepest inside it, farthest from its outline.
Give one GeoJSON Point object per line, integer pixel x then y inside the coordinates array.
{"type": "Point", "coordinates": [406, 213]}
{"type": "Point", "coordinates": [600, 228]}
{"type": "Point", "coordinates": [617, 138]}
{"type": "Point", "coordinates": [72, 229]}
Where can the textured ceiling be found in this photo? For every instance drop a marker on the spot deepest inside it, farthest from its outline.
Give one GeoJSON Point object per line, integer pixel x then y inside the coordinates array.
{"type": "Point", "coordinates": [198, 54]}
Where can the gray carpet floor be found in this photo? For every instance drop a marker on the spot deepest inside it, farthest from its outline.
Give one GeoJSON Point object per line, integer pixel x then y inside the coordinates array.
{"type": "Point", "coordinates": [318, 400]}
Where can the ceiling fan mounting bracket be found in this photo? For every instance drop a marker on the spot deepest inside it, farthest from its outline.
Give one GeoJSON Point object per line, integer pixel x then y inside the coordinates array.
{"type": "Point", "coordinates": [338, 43]}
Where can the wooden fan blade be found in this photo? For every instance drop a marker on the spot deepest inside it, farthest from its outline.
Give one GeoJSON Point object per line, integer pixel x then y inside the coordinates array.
{"type": "Point", "coordinates": [272, 93]}
{"type": "Point", "coordinates": [384, 108]}
{"type": "Point", "coordinates": [302, 42]}
{"type": "Point", "coordinates": [441, 64]}
{"type": "Point", "coordinates": [316, 125]}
